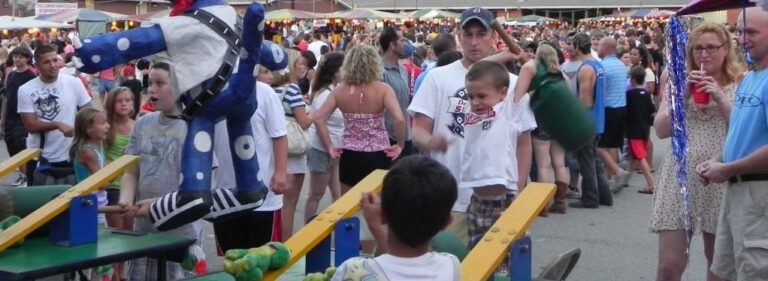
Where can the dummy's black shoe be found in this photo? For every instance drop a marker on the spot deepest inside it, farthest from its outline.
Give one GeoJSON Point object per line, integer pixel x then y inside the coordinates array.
{"type": "Point", "coordinates": [228, 203]}
{"type": "Point", "coordinates": [179, 208]}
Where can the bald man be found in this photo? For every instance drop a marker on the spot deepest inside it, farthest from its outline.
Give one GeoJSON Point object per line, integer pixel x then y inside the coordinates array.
{"type": "Point", "coordinates": [741, 243]}
{"type": "Point", "coordinates": [615, 112]}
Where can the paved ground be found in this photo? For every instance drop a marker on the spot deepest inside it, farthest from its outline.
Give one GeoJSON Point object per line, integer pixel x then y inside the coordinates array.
{"type": "Point", "coordinates": [615, 241]}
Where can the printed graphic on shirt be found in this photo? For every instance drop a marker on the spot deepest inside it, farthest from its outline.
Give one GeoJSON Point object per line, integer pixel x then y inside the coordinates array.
{"type": "Point", "coordinates": [458, 106]}
{"type": "Point", "coordinates": [747, 100]}
{"type": "Point", "coordinates": [474, 118]}
{"type": "Point", "coordinates": [46, 101]}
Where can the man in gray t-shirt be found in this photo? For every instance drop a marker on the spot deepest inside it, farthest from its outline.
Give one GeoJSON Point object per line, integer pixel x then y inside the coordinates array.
{"type": "Point", "coordinates": [393, 44]}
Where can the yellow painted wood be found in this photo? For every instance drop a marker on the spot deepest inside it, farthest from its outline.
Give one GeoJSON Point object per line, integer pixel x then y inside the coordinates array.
{"type": "Point", "coordinates": [60, 204]}
{"type": "Point", "coordinates": [322, 226]}
{"type": "Point", "coordinates": [18, 160]}
{"type": "Point", "coordinates": [483, 260]}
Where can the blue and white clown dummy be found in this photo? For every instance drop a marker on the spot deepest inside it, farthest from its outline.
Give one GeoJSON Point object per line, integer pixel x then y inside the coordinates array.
{"type": "Point", "coordinates": [213, 66]}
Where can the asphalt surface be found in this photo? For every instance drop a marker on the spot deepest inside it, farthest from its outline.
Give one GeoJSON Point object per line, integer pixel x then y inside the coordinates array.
{"type": "Point", "coordinates": [615, 241]}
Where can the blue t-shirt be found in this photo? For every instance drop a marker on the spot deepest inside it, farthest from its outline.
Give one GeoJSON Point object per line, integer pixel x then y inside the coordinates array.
{"type": "Point", "coordinates": [615, 82]}
{"type": "Point", "coordinates": [748, 129]}
{"type": "Point", "coordinates": [598, 105]}
{"type": "Point", "coordinates": [419, 79]}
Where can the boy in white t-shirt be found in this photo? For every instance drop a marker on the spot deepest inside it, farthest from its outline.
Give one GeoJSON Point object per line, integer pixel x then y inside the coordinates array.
{"type": "Point", "coordinates": [416, 200]}
{"type": "Point", "coordinates": [489, 165]}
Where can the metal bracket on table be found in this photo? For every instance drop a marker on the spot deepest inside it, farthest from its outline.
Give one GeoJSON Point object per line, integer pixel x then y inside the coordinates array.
{"type": "Point", "coordinates": [346, 238]}
{"type": "Point", "coordinates": [78, 225]}
{"type": "Point", "coordinates": [521, 259]}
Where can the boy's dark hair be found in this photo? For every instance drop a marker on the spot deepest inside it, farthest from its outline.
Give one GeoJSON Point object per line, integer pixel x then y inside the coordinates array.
{"type": "Point", "coordinates": [21, 51]}
{"type": "Point", "coordinates": [637, 75]}
{"type": "Point", "coordinates": [388, 35]}
{"type": "Point", "coordinates": [443, 43]}
{"type": "Point", "coordinates": [324, 49]}
{"type": "Point", "coordinates": [492, 70]}
{"type": "Point", "coordinates": [44, 49]}
{"type": "Point", "coordinates": [416, 199]}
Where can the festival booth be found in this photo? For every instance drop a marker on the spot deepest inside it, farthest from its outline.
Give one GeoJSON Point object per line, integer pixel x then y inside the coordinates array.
{"type": "Point", "coordinates": [12, 25]}
{"type": "Point", "coordinates": [366, 19]}
{"type": "Point", "coordinates": [277, 19]}
{"type": "Point", "coordinates": [89, 22]}
{"type": "Point", "coordinates": [443, 21]}
{"type": "Point", "coordinates": [533, 20]}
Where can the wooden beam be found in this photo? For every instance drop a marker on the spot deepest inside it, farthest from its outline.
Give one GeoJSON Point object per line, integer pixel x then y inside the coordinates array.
{"type": "Point", "coordinates": [322, 226]}
{"type": "Point", "coordinates": [18, 160]}
{"type": "Point", "coordinates": [483, 260]}
{"type": "Point", "coordinates": [60, 204]}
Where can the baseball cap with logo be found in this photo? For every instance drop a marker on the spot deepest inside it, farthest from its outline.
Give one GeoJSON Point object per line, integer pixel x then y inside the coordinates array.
{"type": "Point", "coordinates": [483, 16]}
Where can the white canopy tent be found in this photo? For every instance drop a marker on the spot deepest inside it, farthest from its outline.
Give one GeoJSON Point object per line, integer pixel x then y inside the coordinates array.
{"type": "Point", "coordinates": [10, 23]}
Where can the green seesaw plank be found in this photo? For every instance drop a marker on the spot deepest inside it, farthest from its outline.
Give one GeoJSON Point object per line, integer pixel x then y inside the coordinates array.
{"type": "Point", "coordinates": [60, 204]}
{"type": "Point", "coordinates": [18, 160]}
{"type": "Point", "coordinates": [37, 254]}
{"type": "Point", "coordinates": [483, 260]}
{"type": "Point", "coordinates": [322, 226]}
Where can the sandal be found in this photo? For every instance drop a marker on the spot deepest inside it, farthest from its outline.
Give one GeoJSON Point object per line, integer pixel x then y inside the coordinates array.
{"type": "Point", "coordinates": [646, 190]}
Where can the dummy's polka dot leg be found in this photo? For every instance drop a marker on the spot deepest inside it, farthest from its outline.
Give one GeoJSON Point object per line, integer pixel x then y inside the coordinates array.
{"type": "Point", "coordinates": [202, 141]}
{"type": "Point", "coordinates": [244, 147]}
{"type": "Point", "coordinates": [96, 58]}
{"type": "Point", "coordinates": [199, 176]}
{"type": "Point", "coordinates": [123, 44]}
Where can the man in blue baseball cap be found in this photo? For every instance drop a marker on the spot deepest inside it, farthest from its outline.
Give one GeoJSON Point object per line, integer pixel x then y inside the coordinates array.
{"type": "Point", "coordinates": [441, 103]}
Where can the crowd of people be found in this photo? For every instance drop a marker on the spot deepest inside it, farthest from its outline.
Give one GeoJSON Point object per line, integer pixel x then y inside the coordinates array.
{"type": "Point", "coordinates": [449, 114]}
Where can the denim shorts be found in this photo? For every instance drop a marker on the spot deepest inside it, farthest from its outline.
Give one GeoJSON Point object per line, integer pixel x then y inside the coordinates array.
{"type": "Point", "coordinates": [319, 161]}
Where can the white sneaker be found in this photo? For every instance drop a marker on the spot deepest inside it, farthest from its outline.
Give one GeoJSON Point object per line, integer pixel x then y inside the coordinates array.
{"type": "Point", "coordinates": [621, 179]}
{"type": "Point", "coordinates": [21, 181]}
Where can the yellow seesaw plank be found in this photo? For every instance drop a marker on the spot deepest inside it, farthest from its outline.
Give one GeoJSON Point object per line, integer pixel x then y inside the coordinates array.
{"type": "Point", "coordinates": [322, 226]}
{"type": "Point", "coordinates": [18, 160]}
{"type": "Point", "coordinates": [483, 260]}
{"type": "Point", "coordinates": [60, 204]}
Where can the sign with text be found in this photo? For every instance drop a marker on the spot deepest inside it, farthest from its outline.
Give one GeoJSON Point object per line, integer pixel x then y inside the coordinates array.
{"type": "Point", "coordinates": [53, 8]}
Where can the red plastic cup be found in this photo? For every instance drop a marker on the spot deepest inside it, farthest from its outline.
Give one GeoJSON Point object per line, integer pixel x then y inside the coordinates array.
{"type": "Point", "coordinates": [699, 95]}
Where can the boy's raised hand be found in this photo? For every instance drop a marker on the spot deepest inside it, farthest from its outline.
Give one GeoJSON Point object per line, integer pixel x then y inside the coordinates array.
{"type": "Point", "coordinates": [371, 205]}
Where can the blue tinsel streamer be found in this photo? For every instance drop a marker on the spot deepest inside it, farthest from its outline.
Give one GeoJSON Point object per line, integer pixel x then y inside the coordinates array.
{"type": "Point", "coordinates": [676, 41]}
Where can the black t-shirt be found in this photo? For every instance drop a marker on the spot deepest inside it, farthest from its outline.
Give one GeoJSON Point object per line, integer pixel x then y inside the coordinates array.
{"type": "Point", "coordinates": [143, 64]}
{"type": "Point", "coordinates": [640, 110]}
{"type": "Point", "coordinates": [135, 86]}
{"type": "Point", "coordinates": [15, 80]}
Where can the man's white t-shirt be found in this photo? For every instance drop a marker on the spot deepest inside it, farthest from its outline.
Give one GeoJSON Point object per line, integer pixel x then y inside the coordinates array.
{"type": "Point", "coordinates": [427, 267]}
{"type": "Point", "coordinates": [268, 122]}
{"type": "Point", "coordinates": [54, 102]}
{"type": "Point", "coordinates": [335, 123]}
{"type": "Point", "coordinates": [315, 47]}
{"type": "Point", "coordinates": [488, 137]}
{"type": "Point", "coordinates": [443, 97]}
